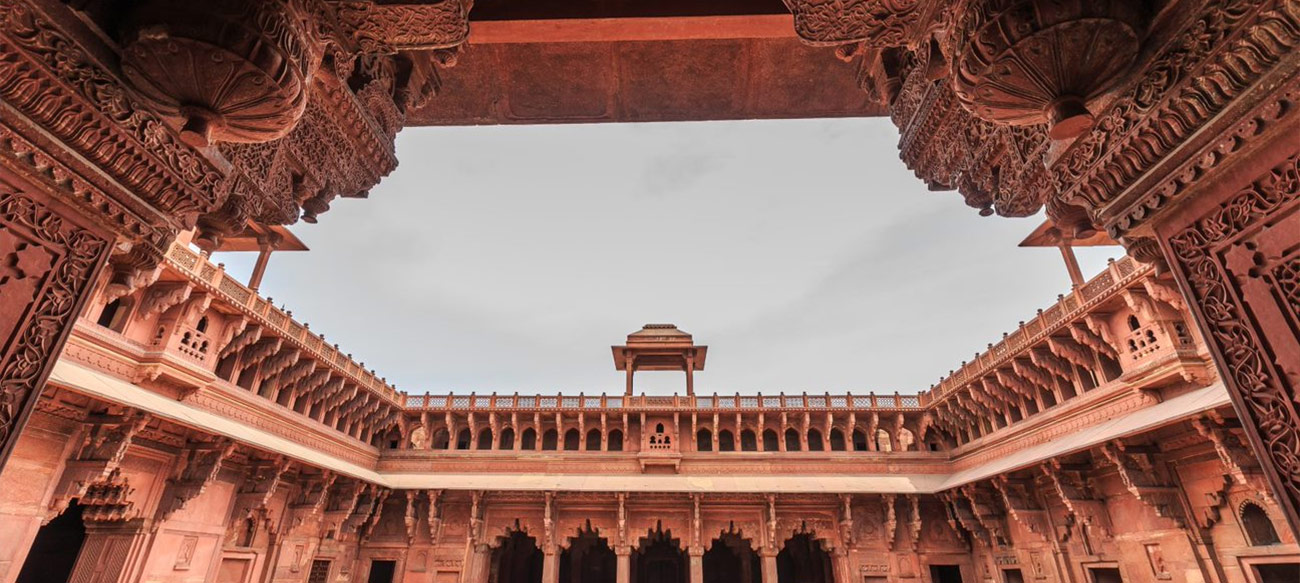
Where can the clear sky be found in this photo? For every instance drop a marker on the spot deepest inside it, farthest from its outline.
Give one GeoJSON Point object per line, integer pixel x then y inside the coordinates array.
{"type": "Point", "coordinates": [803, 253]}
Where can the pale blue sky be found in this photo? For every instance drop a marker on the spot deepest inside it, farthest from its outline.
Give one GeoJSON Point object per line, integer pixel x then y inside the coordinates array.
{"type": "Point", "coordinates": [802, 252]}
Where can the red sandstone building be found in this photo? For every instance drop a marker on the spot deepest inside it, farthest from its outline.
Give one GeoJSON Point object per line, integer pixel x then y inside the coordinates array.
{"type": "Point", "coordinates": [162, 422]}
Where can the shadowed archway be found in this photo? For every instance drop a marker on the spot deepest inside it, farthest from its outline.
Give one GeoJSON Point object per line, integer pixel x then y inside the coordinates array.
{"type": "Point", "coordinates": [659, 558]}
{"type": "Point", "coordinates": [803, 560]}
{"type": "Point", "coordinates": [588, 559]}
{"type": "Point", "coordinates": [516, 560]}
{"type": "Point", "coordinates": [731, 559]}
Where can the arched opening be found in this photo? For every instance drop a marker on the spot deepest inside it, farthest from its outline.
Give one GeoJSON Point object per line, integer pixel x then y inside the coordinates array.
{"type": "Point", "coordinates": [507, 440]}
{"type": "Point", "coordinates": [792, 440]}
{"type": "Point", "coordinates": [659, 559]}
{"type": "Point", "coordinates": [550, 439]}
{"type": "Point", "coordinates": [588, 559]}
{"type": "Point", "coordinates": [114, 315]}
{"type": "Point", "coordinates": [441, 439]}
{"type": "Point", "coordinates": [1133, 324]}
{"type": "Point", "coordinates": [393, 439]}
{"type": "Point", "coordinates": [462, 439]}
{"type": "Point", "coordinates": [54, 552]}
{"type": "Point", "coordinates": [593, 440]}
{"type": "Point", "coordinates": [837, 439]}
{"type": "Point", "coordinates": [704, 440]}
{"type": "Point", "coordinates": [803, 560]}
{"type": "Point", "coordinates": [202, 325]}
{"type": "Point", "coordinates": [571, 440]}
{"type": "Point", "coordinates": [485, 438]}
{"type": "Point", "coordinates": [748, 441]}
{"type": "Point", "coordinates": [726, 441]}
{"type": "Point", "coordinates": [730, 559]}
{"type": "Point", "coordinates": [1258, 526]}
{"type": "Point", "coordinates": [517, 560]}
{"type": "Point", "coordinates": [528, 439]}
{"type": "Point", "coordinates": [770, 441]}
{"type": "Point", "coordinates": [859, 440]}
{"type": "Point", "coordinates": [815, 442]}
{"type": "Point", "coordinates": [615, 440]}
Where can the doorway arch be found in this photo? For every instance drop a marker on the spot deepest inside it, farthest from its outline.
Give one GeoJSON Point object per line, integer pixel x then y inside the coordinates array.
{"type": "Point", "coordinates": [53, 553]}
{"type": "Point", "coordinates": [587, 559]}
{"type": "Point", "coordinates": [517, 559]}
{"type": "Point", "coordinates": [659, 558]}
{"type": "Point", "coordinates": [731, 559]}
{"type": "Point", "coordinates": [803, 560]}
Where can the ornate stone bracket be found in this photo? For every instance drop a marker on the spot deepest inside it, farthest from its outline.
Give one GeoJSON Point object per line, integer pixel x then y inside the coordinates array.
{"type": "Point", "coordinates": [198, 466]}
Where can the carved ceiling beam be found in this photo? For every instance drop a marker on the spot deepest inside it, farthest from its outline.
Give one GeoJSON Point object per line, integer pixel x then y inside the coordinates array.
{"type": "Point", "coordinates": [1072, 352]}
{"type": "Point", "coordinates": [1084, 336]}
{"type": "Point", "coordinates": [1098, 326]}
{"type": "Point", "coordinates": [104, 444]}
{"type": "Point", "coordinates": [1048, 361]}
{"type": "Point", "coordinates": [313, 494]}
{"type": "Point", "coordinates": [873, 23]}
{"type": "Point", "coordinates": [162, 296]}
{"type": "Point", "coordinates": [1012, 381]}
{"type": "Point", "coordinates": [389, 28]}
{"type": "Point", "coordinates": [1138, 471]}
{"type": "Point", "coordinates": [246, 337]}
{"type": "Point", "coordinates": [1017, 497]}
{"type": "Point", "coordinates": [198, 466]}
{"type": "Point", "coordinates": [291, 380]}
{"type": "Point", "coordinates": [275, 364]}
{"type": "Point", "coordinates": [255, 354]}
{"type": "Point", "coordinates": [1039, 377]}
{"type": "Point", "coordinates": [1071, 486]}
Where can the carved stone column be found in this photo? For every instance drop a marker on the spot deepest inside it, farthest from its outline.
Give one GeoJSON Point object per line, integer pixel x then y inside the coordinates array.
{"type": "Point", "coordinates": [477, 570]}
{"type": "Point", "coordinates": [551, 565]}
{"type": "Point", "coordinates": [623, 570]}
{"type": "Point", "coordinates": [49, 259]}
{"type": "Point", "coordinates": [696, 564]}
{"type": "Point", "coordinates": [769, 566]}
{"type": "Point", "coordinates": [1236, 254]}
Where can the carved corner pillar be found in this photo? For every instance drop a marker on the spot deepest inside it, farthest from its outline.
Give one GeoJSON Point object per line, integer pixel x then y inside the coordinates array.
{"type": "Point", "coordinates": [1238, 262]}
{"type": "Point", "coordinates": [48, 262]}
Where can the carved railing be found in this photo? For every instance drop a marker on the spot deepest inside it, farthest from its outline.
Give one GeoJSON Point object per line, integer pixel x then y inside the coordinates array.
{"type": "Point", "coordinates": [596, 403]}
{"type": "Point", "coordinates": [1068, 309]}
{"type": "Point", "coordinates": [262, 312]}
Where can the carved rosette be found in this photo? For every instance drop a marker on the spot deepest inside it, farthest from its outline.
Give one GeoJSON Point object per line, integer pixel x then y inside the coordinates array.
{"type": "Point", "coordinates": [1022, 62]}
{"type": "Point", "coordinates": [230, 70]}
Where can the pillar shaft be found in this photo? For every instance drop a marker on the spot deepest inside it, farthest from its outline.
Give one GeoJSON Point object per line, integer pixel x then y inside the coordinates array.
{"type": "Point", "coordinates": [769, 567]}
{"type": "Point", "coordinates": [551, 566]}
{"type": "Point", "coordinates": [624, 565]}
{"type": "Point", "coordinates": [697, 565]}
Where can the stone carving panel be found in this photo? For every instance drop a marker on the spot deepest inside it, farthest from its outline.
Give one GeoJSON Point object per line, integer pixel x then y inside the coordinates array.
{"type": "Point", "coordinates": [47, 265]}
{"type": "Point", "coordinates": [1238, 262]}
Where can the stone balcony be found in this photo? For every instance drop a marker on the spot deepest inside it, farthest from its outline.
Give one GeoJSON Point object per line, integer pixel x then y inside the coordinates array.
{"type": "Point", "coordinates": [1123, 333]}
{"type": "Point", "coordinates": [198, 335]}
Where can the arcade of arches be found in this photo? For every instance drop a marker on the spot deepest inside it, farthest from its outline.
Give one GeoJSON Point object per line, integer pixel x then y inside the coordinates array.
{"type": "Point", "coordinates": [161, 421]}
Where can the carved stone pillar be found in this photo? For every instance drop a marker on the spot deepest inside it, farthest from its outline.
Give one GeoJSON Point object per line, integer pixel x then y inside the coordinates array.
{"type": "Point", "coordinates": [49, 259]}
{"type": "Point", "coordinates": [769, 566]}
{"type": "Point", "coordinates": [477, 570]}
{"type": "Point", "coordinates": [1236, 254]}
{"type": "Point", "coordinates": [840, 562]}
{"type": "Point", "coordinates": [623, 569]}
{"type": "Point", "coordinates": [551, 565]}
{"type": "Point", "coordinates": [696, 564]}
